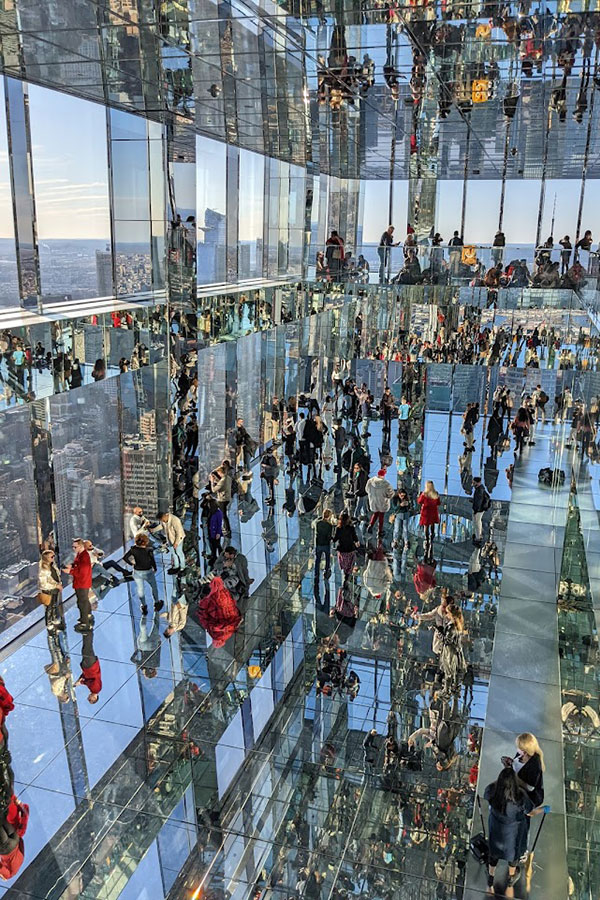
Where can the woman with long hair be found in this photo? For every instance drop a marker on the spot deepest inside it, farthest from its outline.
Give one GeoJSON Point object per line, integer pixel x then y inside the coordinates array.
{"type": "Point", "coordinates": [347, 542]}
{"type": "Point", "coordinates": [429, 501]}
{"type": "Point", "coordinates": [510, 807]}
{"type": "Point", "coordinates": [520, 428]}
{"type": "Point", "coordinates": [528, 764]}
{"type": "Point", "coordinates": [452, 657]}
{"type": "Point", "coordinates": [49, 583]}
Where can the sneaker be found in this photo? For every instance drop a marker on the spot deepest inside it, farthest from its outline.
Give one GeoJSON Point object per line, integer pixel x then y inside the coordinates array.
{"type": "Point", "coordinates": [158, 605]}
{"type": "Point", "coordinates": [82, 629]}
{"type": "Point", "coordinates": [512, 879]}
{"type": "Point", "coordinates": [144, 609]}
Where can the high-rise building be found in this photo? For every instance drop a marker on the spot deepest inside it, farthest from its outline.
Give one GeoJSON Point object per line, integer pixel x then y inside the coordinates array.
{"type": "Point", "coordinates": [104, 272]}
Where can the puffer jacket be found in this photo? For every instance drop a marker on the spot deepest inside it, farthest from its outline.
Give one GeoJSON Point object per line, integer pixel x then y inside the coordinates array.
{"type": "Point", "coordinates": [380, 493]}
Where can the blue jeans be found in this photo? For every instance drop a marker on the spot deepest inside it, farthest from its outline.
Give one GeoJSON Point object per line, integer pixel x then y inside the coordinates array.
{"type": "Point", "coordinates": [323, 550]}
{"type": "Point", "coordinates": [142, 578]}
{"type": "Point", "coordinates": [361, 506]}
{"type": "Point", "coordinates": [178, 556]}
{"type": "Point", "coordinates": [401, 526]}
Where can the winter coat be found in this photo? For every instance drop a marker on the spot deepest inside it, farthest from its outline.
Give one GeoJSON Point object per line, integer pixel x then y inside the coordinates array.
{"type": "Point", "coordinates": [430, 510]}
{"type": "Point", "coordinates": [215, 524]}
{"type": "Point", "coordinates": [508, 832]}
{"type": "Point", "coordinates": [380, 493]}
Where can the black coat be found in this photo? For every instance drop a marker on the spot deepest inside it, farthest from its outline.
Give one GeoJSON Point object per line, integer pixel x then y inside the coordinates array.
{"type": "Point", "coordinates": [508, 832]}
{"type": "Point", "coordinates": [495, 430]}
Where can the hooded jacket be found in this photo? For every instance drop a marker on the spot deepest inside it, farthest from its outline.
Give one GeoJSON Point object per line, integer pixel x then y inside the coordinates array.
{"type": "Point", "coordinates": [380, 493]}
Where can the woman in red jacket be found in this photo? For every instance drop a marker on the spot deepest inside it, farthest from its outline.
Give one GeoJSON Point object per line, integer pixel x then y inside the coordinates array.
{"type": "Point", "coordinates": [429, 501]}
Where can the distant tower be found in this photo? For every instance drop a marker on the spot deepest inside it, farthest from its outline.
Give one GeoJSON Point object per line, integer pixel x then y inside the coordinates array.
{"type": "Point", "coordinates": [104, 272]}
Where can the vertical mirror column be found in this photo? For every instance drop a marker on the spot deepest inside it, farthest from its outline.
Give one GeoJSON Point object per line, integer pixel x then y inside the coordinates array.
{"type": "Point", "coordinates": [21, 178]}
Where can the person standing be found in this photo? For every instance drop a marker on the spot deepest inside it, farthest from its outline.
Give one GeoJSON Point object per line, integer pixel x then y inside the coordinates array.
{"type": "Point", "coordinates": [565, 254]}
{"type": "Point", "coordinates": [510, 806]}
{"type": "Point", "coordinates": [455, 244]}
{"type": "Point", "coordinates": [383, 251]}
{"type": "Point", "coordinates": [245, 445]}
{"type": "Point", "coordinates": [221, 483]}
{"type": "Point", "coordinates": [429, 501]}
{"type": "Point", "coordinates": [403, 416]}
{"type": "Point", "coordinates": [380, 493]}
{"type": "Point", "coordinates": [49, 583]}
{"type": "Point", "coordinates": [387, 407]}
{"type": "Point", "coordinates": [141, 558]}
{"type": "Point", "coordinates": [334, 253]}
{"type": "Point", "coordinates": [347, 543]}
{"type": "Point", "coordinates": [174, 533]}
{"type": "Point", "coordinates": [481, 502]}
{"type": "Point", "coordinates": [81, 572]}
{"type": "Point", "coordinates": [269, 470]}
{"type": "Point", "coordinates": [323, 529]}
{"type": "Point", "coordinates": [360, 477]}
{"type": "Point", "coordinates": [275, 421]}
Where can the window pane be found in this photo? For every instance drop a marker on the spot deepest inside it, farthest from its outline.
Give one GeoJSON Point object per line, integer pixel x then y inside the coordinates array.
{"type": "Point", "coordinates": [9, 283]}
{"type": "Point", "coordinates": [211, 208]}
{"type": "Point", "coordinates": [71, 191]}
{"type": "Point", "coordinates": [252, 205]}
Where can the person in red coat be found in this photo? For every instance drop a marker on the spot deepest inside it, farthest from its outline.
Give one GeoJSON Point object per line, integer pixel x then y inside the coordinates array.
{"type": "Point", "coordinates": [81, 572]}
{"type": "Point", "coordinates": [91, 675]}
{"type": "Point", "coordinates": [217, 612]}
{"type": "Point", "coordinates": [429, 501]}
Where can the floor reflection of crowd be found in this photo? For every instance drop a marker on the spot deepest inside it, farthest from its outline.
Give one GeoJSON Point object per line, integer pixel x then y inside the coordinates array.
{"type": "Point", "coordinates": [392, 592]}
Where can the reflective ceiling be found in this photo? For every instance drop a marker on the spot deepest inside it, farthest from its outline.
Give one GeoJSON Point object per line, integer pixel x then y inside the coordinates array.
{"type": "Point", "coordinates": [365, 90]}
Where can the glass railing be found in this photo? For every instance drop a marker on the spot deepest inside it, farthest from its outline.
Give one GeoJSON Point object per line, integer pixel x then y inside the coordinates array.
{"type": "Point", "coordinates": [519, 266]}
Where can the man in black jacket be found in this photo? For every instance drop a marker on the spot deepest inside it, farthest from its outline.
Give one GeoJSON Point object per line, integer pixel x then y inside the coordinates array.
{"type": "Point", "coordinates": [481, 501]}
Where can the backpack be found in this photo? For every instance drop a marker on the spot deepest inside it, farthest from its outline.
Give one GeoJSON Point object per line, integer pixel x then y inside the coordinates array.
{"type": "Point", "coordinates": [487, 500]}
{"type": "Point", "coordinates": [542, 398]}
{"type": "Point", "coordinates": [551, 477]}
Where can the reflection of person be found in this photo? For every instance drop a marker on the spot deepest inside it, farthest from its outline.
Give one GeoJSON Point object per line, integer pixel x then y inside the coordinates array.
{"type": "Point", "coordinates": [49, 583]}
{"type": "Point", "coordinates": [147, 652]}
{"type": "Point", "coordinates": [218, 612]}
{"type": "Point", "coordinates": [91, 675]}
{"type": "Point", "coordinates": [81, 573]}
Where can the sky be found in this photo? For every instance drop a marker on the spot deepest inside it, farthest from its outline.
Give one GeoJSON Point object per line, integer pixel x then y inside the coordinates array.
{"type": "Point", "coordinates": [71, 186]}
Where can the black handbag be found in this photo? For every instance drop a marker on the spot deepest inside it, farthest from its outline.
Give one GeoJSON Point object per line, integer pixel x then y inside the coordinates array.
{"type": "Point", "coordinates": [479, 842]}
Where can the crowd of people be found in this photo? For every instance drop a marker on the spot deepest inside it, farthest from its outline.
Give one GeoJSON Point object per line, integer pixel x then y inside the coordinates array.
{"type": "Point", "coordinates": [428, 261]}
{"type": "Point", "coordinates": [374, 543]}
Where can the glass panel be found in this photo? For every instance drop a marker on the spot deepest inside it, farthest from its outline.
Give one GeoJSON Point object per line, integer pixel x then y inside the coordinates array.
{"type": "Point", "coordinates": [71, 193]}
{"type": "Point", "coordinates": [9, 279]}
{"type": "Point", "coordinates": [521, 205]}
{"type": "Point", "coordinates": [18, 519]}
{"type": "Point", "coordinates": [252, 205]}
{"type": "Point", "coordinates": [211, 209]}
{"type": "Point", "coordinates": [87, 466]}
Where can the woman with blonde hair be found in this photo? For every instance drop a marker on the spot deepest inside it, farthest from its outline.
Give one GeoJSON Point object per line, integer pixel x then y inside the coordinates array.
{"type": "Point", "coordinates": [429, 501]}
{"type": "Point", "coordinates": [528, 763]}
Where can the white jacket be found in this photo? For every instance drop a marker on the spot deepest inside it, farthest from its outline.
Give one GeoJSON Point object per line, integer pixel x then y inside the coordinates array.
{"type": "Point", "coordinates": [379, 492]}
{"type": "Point", "coordinates": [173, 530]}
